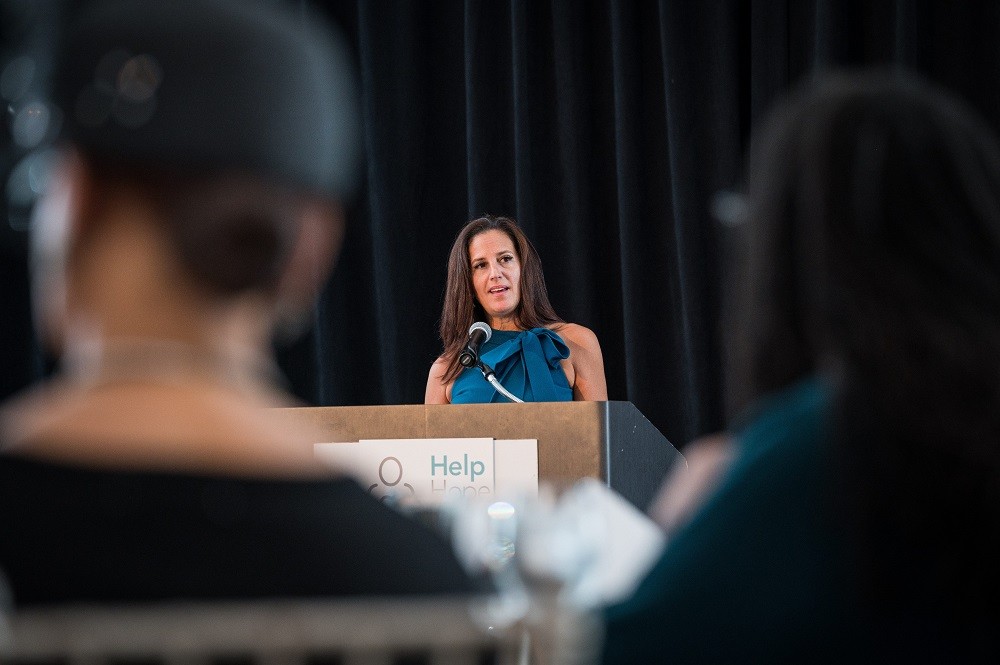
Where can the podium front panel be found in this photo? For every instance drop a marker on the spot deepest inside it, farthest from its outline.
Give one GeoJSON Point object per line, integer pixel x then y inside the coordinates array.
{"type": "Point", "coordinates": [611, 441]}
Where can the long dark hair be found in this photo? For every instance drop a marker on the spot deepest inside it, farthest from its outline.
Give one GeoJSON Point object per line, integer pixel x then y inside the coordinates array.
{"type": "Point", "coordinates": [872, 256]}
{"type": "Point", "coordinates": [461, 308]}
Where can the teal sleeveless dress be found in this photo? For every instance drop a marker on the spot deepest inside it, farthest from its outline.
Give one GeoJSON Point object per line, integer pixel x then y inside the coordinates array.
{"type": "Point", "coordinates": [526, 363]}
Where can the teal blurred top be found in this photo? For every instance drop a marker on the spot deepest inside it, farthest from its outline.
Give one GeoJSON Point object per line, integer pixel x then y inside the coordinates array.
{"type": "Point", "coordinates": [761, 573]}
{"type": "Point", "coordinates": [526, 363]}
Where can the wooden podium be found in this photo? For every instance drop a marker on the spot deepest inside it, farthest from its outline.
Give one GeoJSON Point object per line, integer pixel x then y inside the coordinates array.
{"type": "Point", "coordinates": [612, 441]}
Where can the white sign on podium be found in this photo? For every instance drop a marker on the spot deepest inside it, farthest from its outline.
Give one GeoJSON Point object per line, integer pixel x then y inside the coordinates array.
{"type": "Point", "coordinates": [430, 471]}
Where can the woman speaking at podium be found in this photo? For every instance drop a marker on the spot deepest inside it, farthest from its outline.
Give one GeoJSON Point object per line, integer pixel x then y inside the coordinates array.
{"type": "Point", "coordinates": [497, 319]}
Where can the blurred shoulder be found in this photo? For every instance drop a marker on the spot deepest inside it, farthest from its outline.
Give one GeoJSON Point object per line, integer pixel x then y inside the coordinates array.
{"type": "Point", "coordinates": [32, 412]}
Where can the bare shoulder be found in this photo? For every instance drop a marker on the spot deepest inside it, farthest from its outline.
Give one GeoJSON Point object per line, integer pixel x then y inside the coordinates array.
{"type": "Point", "coordinates": [437, 391]}
{"type": "Point", "coordinates": [585, 365]}
{"type": "Point", "coordinates": [580, 336]}
{"type": "Point", "coordinates": [439, 367]}
{"type": "Point", "coordinates": [163, 426]}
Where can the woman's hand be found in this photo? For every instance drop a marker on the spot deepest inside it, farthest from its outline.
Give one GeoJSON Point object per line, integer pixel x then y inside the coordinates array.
{"type": "Point", "coordinates": [689, 484]}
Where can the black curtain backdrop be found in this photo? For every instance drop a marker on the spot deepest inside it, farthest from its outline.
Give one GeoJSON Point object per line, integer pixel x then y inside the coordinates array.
{"type": "Point", "coordinates": [604, 127]}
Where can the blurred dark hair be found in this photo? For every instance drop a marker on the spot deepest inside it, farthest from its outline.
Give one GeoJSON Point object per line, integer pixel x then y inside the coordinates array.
{"type": "Point", "coordinates": [230, 116]}
{"type": "Point", "coordinates": [233, 232]}
{"type": "Point", "coordinates": [461, 307]}
{"type": "Point", "coordinates": [872, 256]}
{"type": "Point", "coordinates": [254, 86]}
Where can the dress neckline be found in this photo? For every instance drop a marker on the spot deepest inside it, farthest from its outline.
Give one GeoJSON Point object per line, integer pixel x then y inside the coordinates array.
{"type": "Point", "coordinates": [507, 333]}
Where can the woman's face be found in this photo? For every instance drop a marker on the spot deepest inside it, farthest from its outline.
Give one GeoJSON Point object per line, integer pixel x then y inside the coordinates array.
{"type": "Point", "coordinates": [496, 274]}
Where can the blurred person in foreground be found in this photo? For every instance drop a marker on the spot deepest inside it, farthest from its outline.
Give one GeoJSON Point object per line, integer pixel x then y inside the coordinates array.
{"type": "Point", "coordinates": [858, 519]}
{"type": "Point", "coordinates": [193, 210]}
{"type": "Point", "coordinates": [495, 276]}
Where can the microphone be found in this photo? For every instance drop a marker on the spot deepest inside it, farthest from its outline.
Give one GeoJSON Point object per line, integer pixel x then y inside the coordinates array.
{"type": "Point", "coordinates": [479, 332]}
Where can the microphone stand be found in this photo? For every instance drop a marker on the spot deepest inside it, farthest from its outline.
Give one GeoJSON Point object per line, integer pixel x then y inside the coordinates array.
{"type": "Point", "coordinates": [491, 376]}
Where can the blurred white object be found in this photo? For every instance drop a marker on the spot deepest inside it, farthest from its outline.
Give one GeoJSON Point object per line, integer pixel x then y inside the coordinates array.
{"type": "Point", "coordinates": [537, 550]}
{"type": "Point", "coordinates": [593, 541]}
{"type": "Point", "coordinates": [589, 546]}
{"type": "Point", "coordinates": [484, 537]}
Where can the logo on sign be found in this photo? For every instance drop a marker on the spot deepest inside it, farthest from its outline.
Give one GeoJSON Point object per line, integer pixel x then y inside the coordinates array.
{"type": "Point", "coordinates": [390, 473]}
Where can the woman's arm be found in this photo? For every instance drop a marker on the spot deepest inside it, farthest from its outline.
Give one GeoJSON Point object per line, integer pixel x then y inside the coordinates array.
{"type": "Point", "coordinates": [437, 392]}
{"type": "Point", "coordinates": [585, 356]}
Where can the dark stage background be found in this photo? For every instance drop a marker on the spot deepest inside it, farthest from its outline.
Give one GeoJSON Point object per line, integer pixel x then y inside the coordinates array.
{"type": "Point", "coordinates": [604, 127]}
